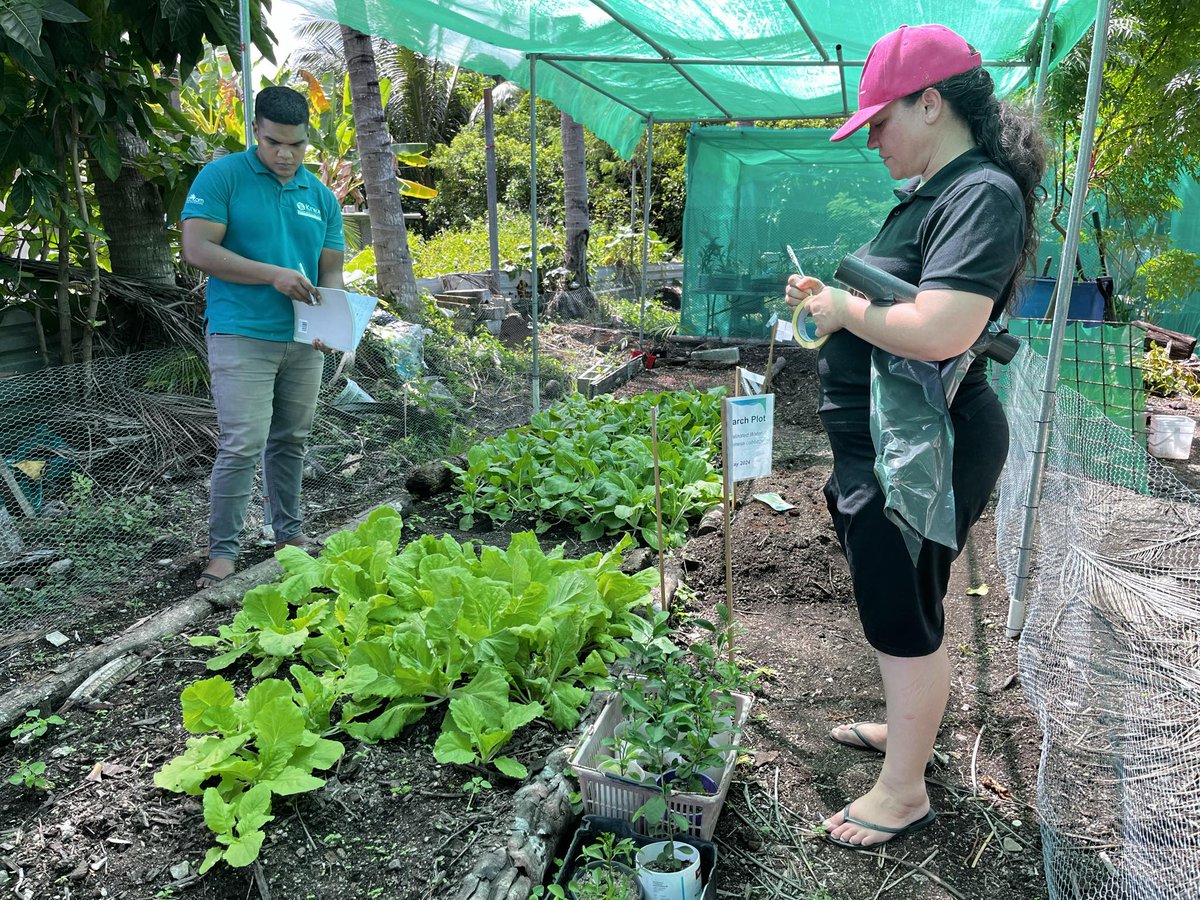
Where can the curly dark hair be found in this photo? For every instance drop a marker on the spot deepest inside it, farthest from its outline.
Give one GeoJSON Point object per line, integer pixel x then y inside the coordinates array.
{"type": "Point", "coordinates": [1008, 135]}
{"type": "Point", "coordinates": [281, 105]}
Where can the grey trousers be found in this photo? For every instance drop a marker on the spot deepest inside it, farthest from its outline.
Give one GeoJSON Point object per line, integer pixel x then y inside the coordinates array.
{"type": "Point", "coordinates": [265, 393]}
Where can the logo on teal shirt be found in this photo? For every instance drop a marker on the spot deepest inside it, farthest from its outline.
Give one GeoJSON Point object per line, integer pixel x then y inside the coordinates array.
{"type": "Point", "coordinates": [308, 210]}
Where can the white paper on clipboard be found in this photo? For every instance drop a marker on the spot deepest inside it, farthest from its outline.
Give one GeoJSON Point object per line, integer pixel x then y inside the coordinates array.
{"type": "Point", "coordinates": [338, 321]}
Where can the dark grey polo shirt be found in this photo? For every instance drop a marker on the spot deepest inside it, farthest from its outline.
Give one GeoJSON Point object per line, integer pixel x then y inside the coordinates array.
{"type": "Point", "coordinates": [962, 230]}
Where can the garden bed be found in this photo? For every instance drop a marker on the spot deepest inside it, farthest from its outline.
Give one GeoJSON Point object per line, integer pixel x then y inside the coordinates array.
{"type": "Point", "coordinates": [392, 823]}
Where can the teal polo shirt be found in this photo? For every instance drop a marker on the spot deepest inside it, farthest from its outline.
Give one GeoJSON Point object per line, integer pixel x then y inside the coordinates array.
{"type": "Point", "coordinates": [282, 224]}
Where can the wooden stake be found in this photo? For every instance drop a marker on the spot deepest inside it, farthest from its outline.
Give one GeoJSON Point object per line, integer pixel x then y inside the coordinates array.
{"type": "Point", "coordinates": [662, 569]}
{"type": "Point", "coordinates": [737, 392]}
{"type": "Point", "coordinates": [770, 361]}
{"type": "Point", "coordinates": [726, 475]}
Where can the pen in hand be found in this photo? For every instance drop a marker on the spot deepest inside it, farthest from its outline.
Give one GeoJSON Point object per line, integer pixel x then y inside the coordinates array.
{"type": "Point", "coordinates": [314, 298]}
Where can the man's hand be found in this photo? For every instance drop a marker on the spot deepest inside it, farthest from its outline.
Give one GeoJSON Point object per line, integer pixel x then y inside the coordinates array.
{"type": "Point", "coordinates": [293, 284]}
{"type": "Point", "coordinates": [322, 346]}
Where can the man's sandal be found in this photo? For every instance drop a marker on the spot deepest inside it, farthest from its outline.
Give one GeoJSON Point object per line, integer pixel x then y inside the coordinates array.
{"type": "Point", "coordinates": [205, 580]}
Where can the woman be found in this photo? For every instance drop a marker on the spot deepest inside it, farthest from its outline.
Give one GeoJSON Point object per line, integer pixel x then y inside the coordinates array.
{"type": "Point", "coordinates": [962, 232]}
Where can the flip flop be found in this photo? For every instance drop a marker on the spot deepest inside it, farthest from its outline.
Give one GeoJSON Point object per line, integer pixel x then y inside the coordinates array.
{"type": "Point", "coordinates": [210, 580]}
{"type": "Point", "coordinates": [870, 747]}
{"type": "Point", "coordinates": [896, 833]}
{"type": "Point", "coordinates": [865, 745]}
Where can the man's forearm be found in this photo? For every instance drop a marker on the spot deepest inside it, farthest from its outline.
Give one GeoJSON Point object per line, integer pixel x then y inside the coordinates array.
{"type": "Point", "coordinates": [332, 279]}
{"type": "Point", "coordinates": [221, 262]}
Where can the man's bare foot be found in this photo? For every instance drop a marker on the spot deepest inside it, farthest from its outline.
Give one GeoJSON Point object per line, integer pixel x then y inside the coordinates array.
{"type": "Point", "coordinates": [865, 735]}
{"type": "Point", "coordinates": [217, 570]}
{"type": "Point", "coordinates": [896, 813]}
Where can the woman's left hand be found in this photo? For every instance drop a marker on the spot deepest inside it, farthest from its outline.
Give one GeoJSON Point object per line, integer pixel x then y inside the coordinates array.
{"type": "Point", "coordinates": [823, 302]}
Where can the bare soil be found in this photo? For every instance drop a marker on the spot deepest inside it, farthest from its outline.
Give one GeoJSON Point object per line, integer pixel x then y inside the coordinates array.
{"type": "Point", "coordinates": [391, 823]}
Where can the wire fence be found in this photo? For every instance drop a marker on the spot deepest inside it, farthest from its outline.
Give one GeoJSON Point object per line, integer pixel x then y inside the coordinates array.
{"type": "Point", "coordinates": [1110, 655]}
{"type": "Point", "coordinates": [104, 496]}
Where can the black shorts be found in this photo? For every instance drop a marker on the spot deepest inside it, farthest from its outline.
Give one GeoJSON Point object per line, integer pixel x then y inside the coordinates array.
{"type": "Point", "coordinates": [901, 605]}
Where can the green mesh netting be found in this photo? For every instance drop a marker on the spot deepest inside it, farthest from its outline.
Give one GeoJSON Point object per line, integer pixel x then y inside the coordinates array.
{"type": "Point", "coordinates": [1102, 365]}
{"type": "Point", "coordinates": [604, 60]}
{"type": "Point", "coordinates": [754, 191]}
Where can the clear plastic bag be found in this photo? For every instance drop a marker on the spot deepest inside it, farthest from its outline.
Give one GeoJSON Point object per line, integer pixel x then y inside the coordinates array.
{"type": "Point", "coordinates": [914, 440]}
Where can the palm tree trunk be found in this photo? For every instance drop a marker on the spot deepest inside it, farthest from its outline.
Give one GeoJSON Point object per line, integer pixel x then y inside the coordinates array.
{"type": "Point", "coordinates": [132, 213]}
{"type": "Point", "coordinates": [579, 301]}
{"type": "Point", "coordinates": [62, 294]}
{"type": "Point", "coordinates": [394, 273]}
{"type": "Point", "coordinates": [575, 197]}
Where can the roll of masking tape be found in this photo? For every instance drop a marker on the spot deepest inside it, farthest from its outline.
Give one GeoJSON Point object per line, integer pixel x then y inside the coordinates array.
{"type": "Point", "coordinates": [807, 337]}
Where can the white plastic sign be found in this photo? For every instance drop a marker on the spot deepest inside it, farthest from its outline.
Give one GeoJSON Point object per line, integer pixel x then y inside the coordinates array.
{"type": "Point", "coordinates": [751, 429]}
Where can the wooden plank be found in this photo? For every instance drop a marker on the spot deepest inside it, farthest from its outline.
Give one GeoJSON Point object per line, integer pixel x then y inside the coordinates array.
{"type": "Point", "coordinates": [1178, 345]}
{"type": "Point", "coordinates": [18, 495]}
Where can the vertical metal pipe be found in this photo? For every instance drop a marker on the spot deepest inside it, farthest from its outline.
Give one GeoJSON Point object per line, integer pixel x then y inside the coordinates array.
{"type": "Point", "coordinates": [1039, 97]}
{"type": "Point", "coordinates": [247, 81]}
{"type": "Point", "coordinates": [646, 223]}
{"type": "Point", "coordinates": [489, 141]}
{"type": "Point", "coordinates": [1062, 294]}
{"type": "Point", "coordinates": [535, 386]}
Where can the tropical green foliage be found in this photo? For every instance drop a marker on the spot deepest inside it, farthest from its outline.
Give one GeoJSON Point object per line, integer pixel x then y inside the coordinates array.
{"type": "Point", "coordinates": [462, 200]}
{"type": "Point", "coordinates": [589, 463]}
{"type": "Point", "coordinates": [660, 320]}
{"type": "Point", "coordinates": [1165, 377]}
{"type": "Point", "coordinates": [1149, 113]}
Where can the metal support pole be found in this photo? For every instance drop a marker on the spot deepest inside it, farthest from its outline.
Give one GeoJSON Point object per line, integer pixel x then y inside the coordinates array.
{"type": "Point", "coordinates": [646, 224]}
{"type": "Point", "coordinates": [1058, 330]}
{"type": "Point", "coordinates": [247, 82]}
{"type": "Point", "coordinates": [1039, 97]}
{"type": "Point", "coordinates": [842, 78]}
{"type": "Point", "coordinates": [535, 386]}
{"type": "Point", "coordinates": [489, 143]}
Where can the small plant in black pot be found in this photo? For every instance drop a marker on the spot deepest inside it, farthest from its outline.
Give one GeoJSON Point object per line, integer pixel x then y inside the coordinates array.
{"type": "Point", "coordinates": [603, 873]}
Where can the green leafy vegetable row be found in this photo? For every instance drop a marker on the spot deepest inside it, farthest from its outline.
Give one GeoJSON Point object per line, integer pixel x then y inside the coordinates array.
{"type": "Point", "coordinates": [372, 637]}
{"type": "Point", "coordinates": [589, 463]}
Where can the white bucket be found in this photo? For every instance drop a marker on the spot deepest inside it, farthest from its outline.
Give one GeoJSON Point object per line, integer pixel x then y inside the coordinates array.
{"type": "Point", "coordinates": [1170, 437]}
{"type": "Point", "coordinates": [682, 885]}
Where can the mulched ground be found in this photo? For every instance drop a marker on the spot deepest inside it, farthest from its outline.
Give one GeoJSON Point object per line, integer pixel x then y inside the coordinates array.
{"type": "Point", "coordinates": [393, 824]}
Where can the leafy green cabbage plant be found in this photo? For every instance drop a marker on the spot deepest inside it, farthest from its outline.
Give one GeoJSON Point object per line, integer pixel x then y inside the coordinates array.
{"type": "Point", "coordinates": [372, 637]}
{"type": "Point", "coordinates": [589, 463]}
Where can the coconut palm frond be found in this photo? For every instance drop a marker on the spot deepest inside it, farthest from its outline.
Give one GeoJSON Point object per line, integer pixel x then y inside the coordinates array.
{"type": "Point", "coordinates": [505, 97]}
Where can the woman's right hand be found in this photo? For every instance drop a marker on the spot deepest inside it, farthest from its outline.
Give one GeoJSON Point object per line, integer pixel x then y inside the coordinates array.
{"type": "Point", "coordinates": [801, 287]}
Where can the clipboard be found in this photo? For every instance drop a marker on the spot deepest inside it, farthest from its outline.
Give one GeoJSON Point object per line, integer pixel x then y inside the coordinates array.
{"type": "Point", "coordinates": [338, 321]}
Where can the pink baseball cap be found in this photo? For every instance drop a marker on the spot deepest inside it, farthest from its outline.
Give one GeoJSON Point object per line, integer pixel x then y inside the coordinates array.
{"type": "Point", "coordinates": [907, 60]}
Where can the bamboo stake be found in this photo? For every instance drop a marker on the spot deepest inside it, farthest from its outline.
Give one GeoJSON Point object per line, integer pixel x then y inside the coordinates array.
{"type": "Point", "coordinates": [726, 473]}
{"type": "Point", "coordinates": [770, 361]}
{"type": "Point", "coordinates": [662, 570]}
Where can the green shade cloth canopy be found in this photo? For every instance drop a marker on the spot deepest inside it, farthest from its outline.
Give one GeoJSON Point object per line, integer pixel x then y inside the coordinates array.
{"type": "Point", "coordinates": [613, 64]}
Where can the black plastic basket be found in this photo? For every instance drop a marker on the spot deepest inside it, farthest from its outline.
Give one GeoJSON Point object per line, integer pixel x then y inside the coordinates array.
{"type": "Point", "coordinates": [592, 827]}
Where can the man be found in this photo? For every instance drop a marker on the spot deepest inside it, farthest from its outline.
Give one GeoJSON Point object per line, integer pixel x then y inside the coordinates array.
{"type": "Point", "coordinates": [261, 226]}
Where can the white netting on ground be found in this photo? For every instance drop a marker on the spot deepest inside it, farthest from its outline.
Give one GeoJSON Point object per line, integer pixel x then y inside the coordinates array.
{"type": "Point", "coordinates": [104, 496]}
{"type": "Point", "coordinates": [1110, 654]}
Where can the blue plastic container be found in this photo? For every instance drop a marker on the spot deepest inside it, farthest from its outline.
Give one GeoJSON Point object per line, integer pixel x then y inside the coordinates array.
{"type": "Point", "coordinates": [1033, 299]}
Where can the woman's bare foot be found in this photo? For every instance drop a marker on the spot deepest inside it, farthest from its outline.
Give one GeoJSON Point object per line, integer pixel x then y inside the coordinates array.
{"type": "Point", "coordinates": [218, 569]}
{"type": "Point", "coordinates": [867, 735]}
{"type": "Point", "coordinates": [880, 806]}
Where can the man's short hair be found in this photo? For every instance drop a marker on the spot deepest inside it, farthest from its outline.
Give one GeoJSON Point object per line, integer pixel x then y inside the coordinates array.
{"type": "Point", "coordinates": [281, 105]}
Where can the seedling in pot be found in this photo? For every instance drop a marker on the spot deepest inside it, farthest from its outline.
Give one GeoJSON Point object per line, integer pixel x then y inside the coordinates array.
{"type": "Point", "coordinates": [603, 873]}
